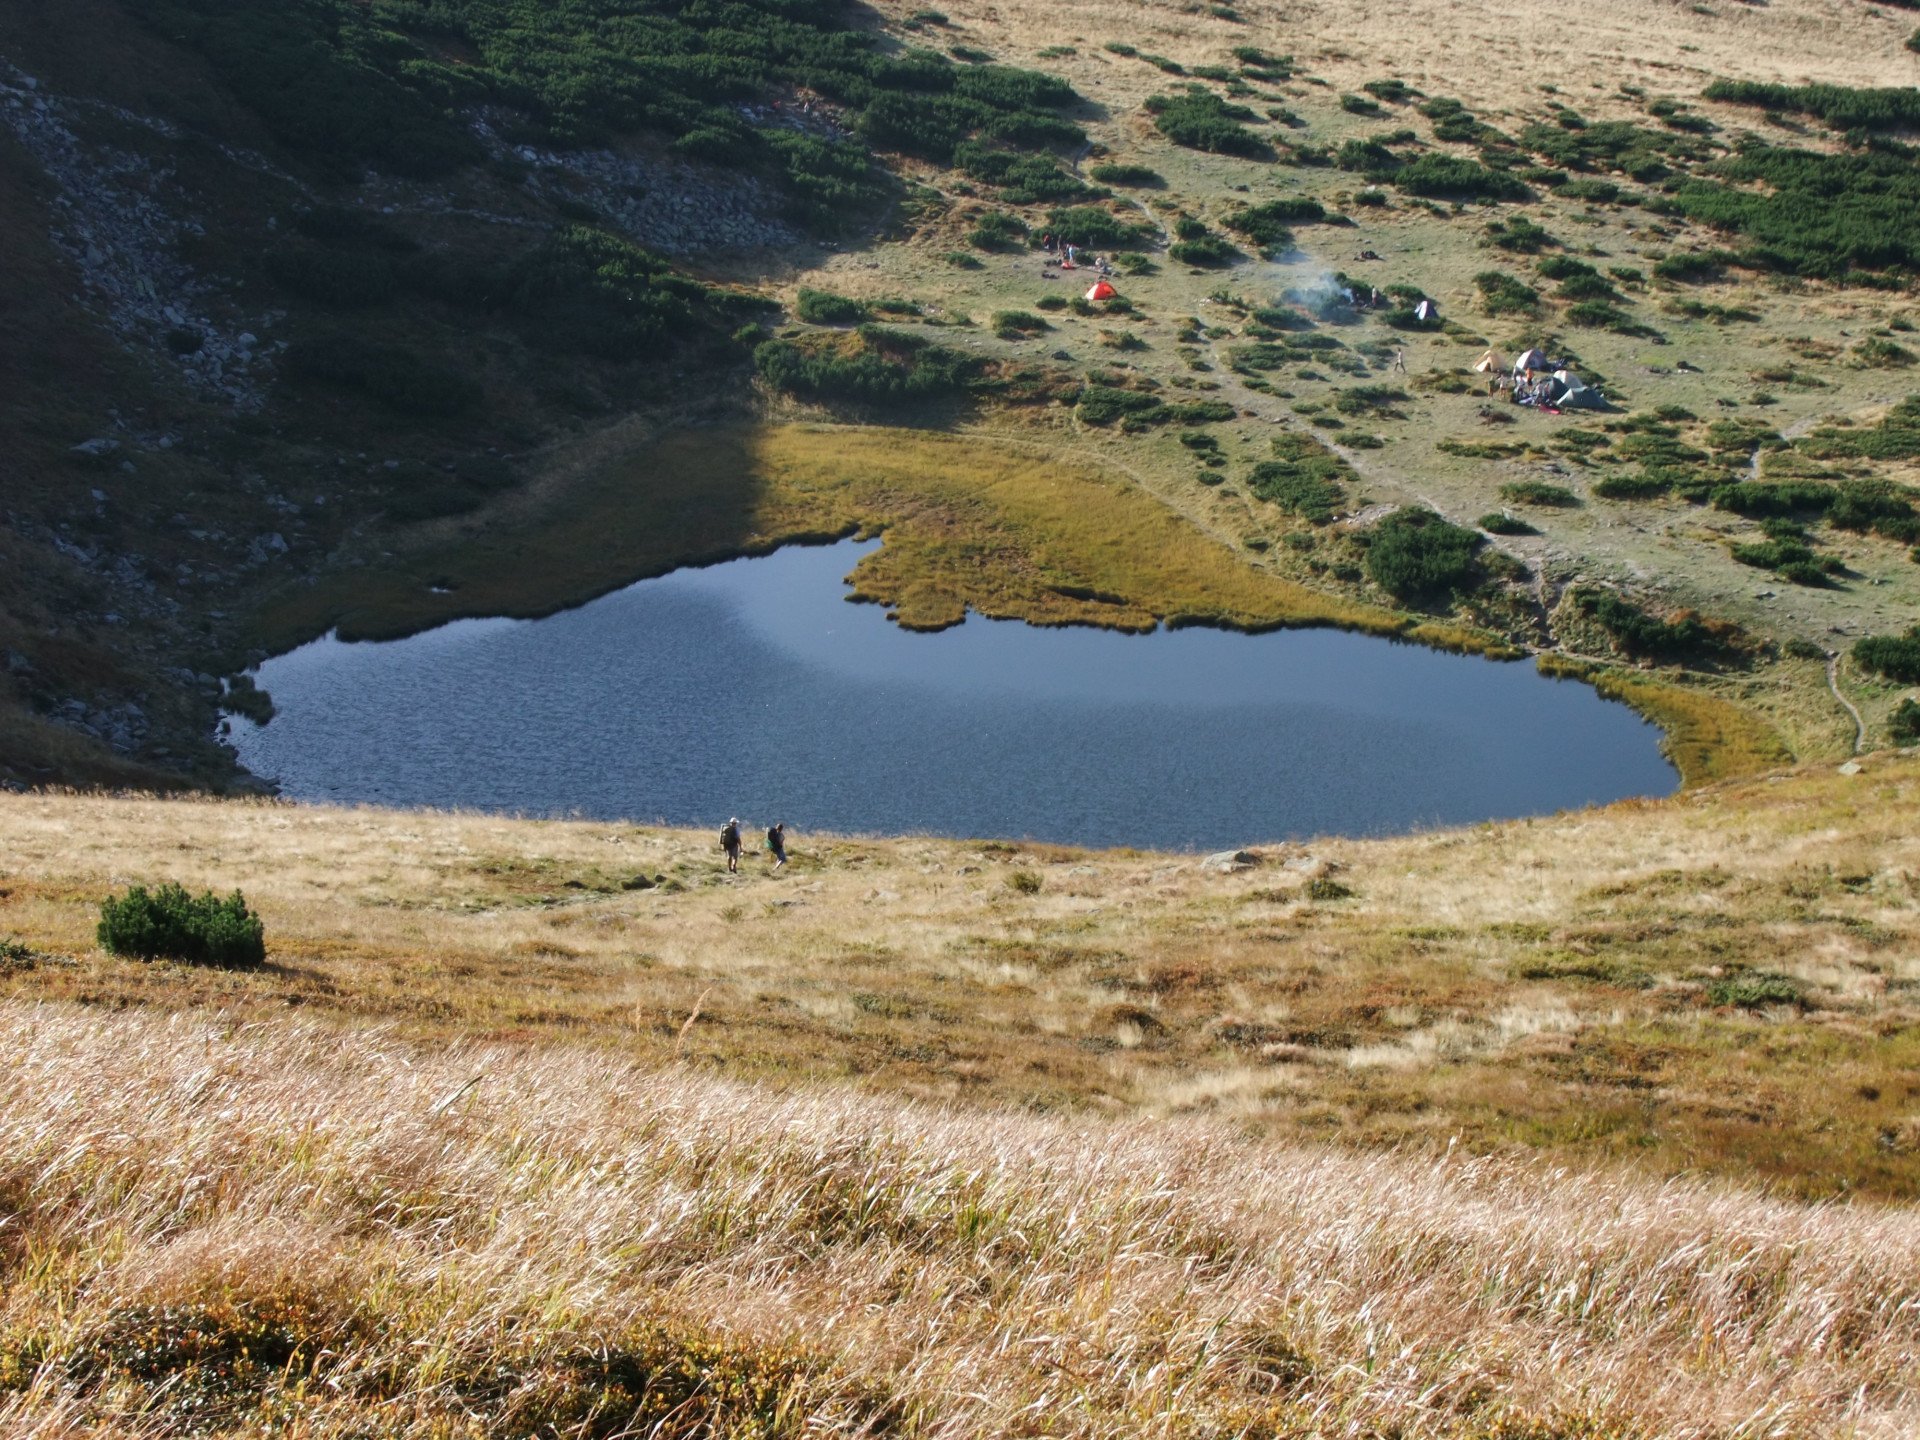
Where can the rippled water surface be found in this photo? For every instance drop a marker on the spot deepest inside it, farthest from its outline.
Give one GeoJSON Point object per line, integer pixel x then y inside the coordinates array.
{"type": "Point", "coordinates": [753, 688]}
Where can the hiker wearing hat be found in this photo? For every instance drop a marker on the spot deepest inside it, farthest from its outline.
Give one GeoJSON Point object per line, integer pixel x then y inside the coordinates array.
{"type": "Point", "coordinates": [730, 842]}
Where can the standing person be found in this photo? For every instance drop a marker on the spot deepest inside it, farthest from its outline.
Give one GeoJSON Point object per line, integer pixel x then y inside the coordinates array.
{"type": "Point", "coordinates": [777, 844]}
{"type": "Point", "coordinates": [1400, 361]}
{"type": "Point", "coordinates": [730, 842]}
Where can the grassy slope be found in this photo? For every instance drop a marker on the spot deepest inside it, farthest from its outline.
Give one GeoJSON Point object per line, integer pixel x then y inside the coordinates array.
{"type": "Point", "coordinates": [887, 1144]}
{"type": "Point", "coordinates": [1571, 984]}
{"type": "Point", "coordinates": [273, 1228]}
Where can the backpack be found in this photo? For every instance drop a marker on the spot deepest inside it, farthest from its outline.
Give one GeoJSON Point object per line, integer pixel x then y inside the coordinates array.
{"type": "Point", "coordinates": [729, 837]}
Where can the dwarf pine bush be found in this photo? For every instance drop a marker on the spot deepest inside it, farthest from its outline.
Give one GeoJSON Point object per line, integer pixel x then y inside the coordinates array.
{"type": "Point", "coordinates": [168, 923]}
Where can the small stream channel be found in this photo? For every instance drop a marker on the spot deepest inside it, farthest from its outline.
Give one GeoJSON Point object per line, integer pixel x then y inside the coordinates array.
{"type": "Point", "coordinates": [753, 688]}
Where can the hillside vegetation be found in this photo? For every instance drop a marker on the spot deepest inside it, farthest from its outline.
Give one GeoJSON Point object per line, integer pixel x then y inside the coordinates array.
{"type": "Point", "coordinates": [547, 1127]}
{"type": "Point", "coordinates": [1723, 983]}
{"type": "Point", "coordinates": [338, 298]}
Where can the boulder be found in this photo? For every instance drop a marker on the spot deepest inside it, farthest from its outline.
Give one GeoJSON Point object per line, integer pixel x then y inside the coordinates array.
{"type": "Point", "coordinates": [1226, 862]}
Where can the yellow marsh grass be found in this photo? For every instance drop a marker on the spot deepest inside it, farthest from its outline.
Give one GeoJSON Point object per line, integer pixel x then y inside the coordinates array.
{"type": "Point", "coordinates": [489, 1240]}
{"type": "Point", "coordinates": [1707, 737]}
{"type": "Point", "coordinates": [1556, 985]}
{"type": "Point", "coordinates": [1011, 531]}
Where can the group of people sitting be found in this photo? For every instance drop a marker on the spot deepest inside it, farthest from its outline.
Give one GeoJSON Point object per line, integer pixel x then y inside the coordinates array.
{"type": "Point", "coordinates": [1533, 387]}
{"type": "Point", "coordinates": [1070, 257]}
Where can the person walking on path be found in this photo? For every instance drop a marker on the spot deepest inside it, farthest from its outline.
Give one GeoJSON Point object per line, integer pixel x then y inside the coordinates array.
{"type": "Point", "coordinates": [777, 844]}
{"type": "Point", "coordinates": [730, 842]}
{"type": "Point", "coordinates": [1400, 362]}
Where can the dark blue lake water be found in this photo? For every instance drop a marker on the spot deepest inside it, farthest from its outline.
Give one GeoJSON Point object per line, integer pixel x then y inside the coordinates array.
{"type": "Point", "coordinates": [753, 688]}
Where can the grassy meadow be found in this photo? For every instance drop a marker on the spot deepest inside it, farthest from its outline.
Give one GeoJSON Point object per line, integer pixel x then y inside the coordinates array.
{"type": "Point", "coordinates": [1526, 1130]}
{"type": "Point", "coordinates": [1718, 983]}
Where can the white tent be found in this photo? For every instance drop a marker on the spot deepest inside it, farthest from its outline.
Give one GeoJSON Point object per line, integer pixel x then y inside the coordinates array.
{"type": "Point", "coordinates": [1490, 363]}
{"type": "Point", "coordinates": [1425, 311]}
{"type": "Point", "coordinates": [1531, 360]}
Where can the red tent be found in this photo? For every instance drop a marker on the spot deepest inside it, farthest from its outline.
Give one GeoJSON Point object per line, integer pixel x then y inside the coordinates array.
{"type": "Point", "coordinates": [1101, 291]}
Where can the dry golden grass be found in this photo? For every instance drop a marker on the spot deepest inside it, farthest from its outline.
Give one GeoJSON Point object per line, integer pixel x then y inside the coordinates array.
{"type": "Point", "coordinates": [1491, 54]}
{"type": "Point", "coordinates": [1570, 985]}
{"type": "Point", "coordinates": [1011, 530]}
{"type": "Point", "coordinates": [277, 1228]}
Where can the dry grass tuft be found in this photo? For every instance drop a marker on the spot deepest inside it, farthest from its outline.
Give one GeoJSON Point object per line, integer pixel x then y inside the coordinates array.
{"type": "Point", "coordinates": [279, 1227]}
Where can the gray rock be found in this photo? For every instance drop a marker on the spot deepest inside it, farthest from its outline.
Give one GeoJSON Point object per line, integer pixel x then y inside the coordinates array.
{"type": "Point", "coordinates": [1226, 862]}
{"type": "Point", "coordinates": [97, 448]}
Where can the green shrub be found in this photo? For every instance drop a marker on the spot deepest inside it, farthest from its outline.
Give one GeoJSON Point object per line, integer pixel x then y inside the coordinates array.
{"type": "Point", "coordinates": [997, 230]}
{"type": "Point", "coordinates": [1051, 302]}
{"type": "Point", "coordinates": [1014, 324]}
{"type": "Point", "coordinates": [1519, 235]}
{"type": "Point", "coordinates": [1498, 522]}
{"type": "Point", "coordinates": [1895, 656]}
{"type": "Point", "coordinates": [1903, 725]}
{"type": "Point", "coordinates": [1207, 251]}
{"type": "Point", "coordinates": [1838, 216]}
{"type": "Point", "coordinates": [1756, 989]}
{"type": "Point", "coordinates": [1539, 492]}
{"type": "Point", "coordinates": [1303, 477]}
{"type": "Point", "coordinates": [1093, 228]}
{"type": "Point", "coordinates": [1415, 554]}
{"type": "Point", "coordinates": [1200, 120]}
{"type": "Point", "coordinates": [1635, 632]}
{"type": "Point", "coordinates": [1025, 179]}
{"type": "Point", "coordinates": [823, 307]}
{"type": "Point", "coordinates": [1840, 106]}
{"type": "Point", "coordinates": [1267, 224]}
{"type": "Point", "coordinates": [1504, 295]}
{"type": "Point", "coordinates": [168, 923]}
{"type": "Point", "coordinates": [1879, 354]}
{"type": "Point", "coordinates": [1642, 485]}
{"type": "Point", "coordinates": [881, 368]}
{"type": "Point", "coordinates": [1359, 105]}
{"type": "Point", "coordinates": [1450, 177]}
{"type": "Point", "coordinates": [1024, 882]}
{"type": "Point", "coordinates": [1136, 177]}
{"type": "Point", "coordinates": [1394, 92]}
{"type": "Point", "coordinates": [1369, 400]}
{"type": "Point", "coordinates": [1596, 192]}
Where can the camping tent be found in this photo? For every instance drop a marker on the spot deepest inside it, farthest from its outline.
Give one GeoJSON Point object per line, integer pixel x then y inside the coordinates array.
{"type": "Point", "coordinates": [1531, 360]}
{"type": "Point", "coordinates": [1576, 394]}
{"type": "Point", "coordinates": [1490, 363]}
{"type": "Point", "coordinates": [1101, 290]}
{"type": "Point", "coordinates": [1425, 311]}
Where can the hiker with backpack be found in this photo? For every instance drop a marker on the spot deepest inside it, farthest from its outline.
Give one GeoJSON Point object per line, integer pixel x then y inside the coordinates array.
{"type": "Point", "coordinates": [777, 844]}
{"type": "Point", "coordinates": [730, 842]}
